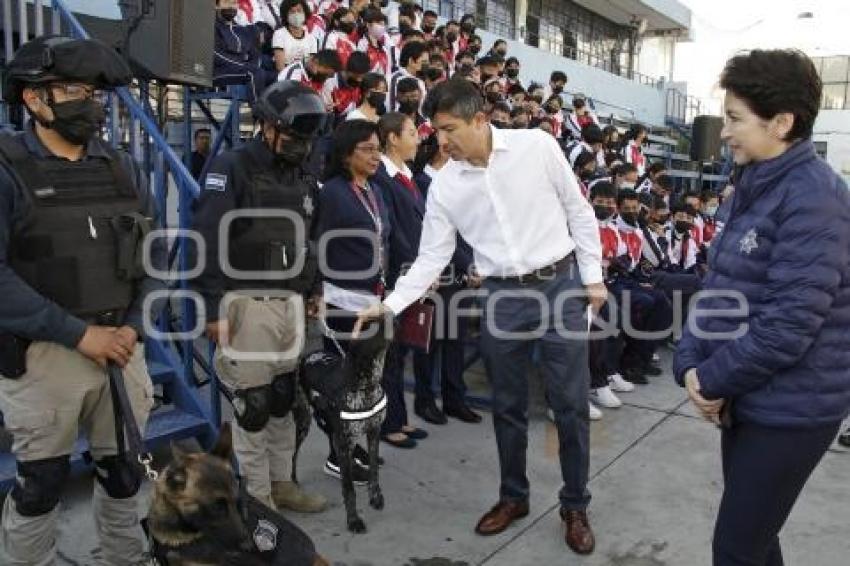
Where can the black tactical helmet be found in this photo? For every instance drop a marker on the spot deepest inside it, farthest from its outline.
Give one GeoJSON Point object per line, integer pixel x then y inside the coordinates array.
{"type": "Point", "coordinates": [292, 108]}
{"type": "Point", "coordinates": [52, 58]}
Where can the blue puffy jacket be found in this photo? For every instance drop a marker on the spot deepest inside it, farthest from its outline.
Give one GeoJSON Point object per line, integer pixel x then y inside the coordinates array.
{"type": "Point", "coordinates": [786, 248]}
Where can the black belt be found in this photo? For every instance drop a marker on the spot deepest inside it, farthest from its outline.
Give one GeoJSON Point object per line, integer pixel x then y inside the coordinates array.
{"type": "Point", "coordinates": [545, 273]}
{"type": "Point", "coordinates": [105, 318]}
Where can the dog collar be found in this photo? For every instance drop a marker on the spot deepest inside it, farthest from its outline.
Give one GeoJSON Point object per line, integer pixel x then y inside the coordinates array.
{"type": "Point", "coordinates": [363, 415]}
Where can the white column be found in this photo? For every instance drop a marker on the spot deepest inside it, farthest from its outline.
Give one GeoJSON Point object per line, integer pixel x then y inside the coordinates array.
{"type": "Point", "coordinates": [520, 16]}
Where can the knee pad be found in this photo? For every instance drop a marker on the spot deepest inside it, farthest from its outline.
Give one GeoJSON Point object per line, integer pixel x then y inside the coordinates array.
{"type": "Point", "coordinates": [39, 485]}
{"type": "Point", "coordinates": [251, 408]}
{"type": "Point", "coordinates": [120, 478]}
{"type": "Point", "coordinates": [282, 394]}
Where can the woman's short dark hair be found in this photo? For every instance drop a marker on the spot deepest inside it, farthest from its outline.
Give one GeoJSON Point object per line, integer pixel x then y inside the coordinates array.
{"type": "Point", "coordinates": [456, 96]}
{"type": "Point", "coordinates": [372, 15]}
{"type": "Point", "coordinates": [371, 81]}
{"type": "Point", "coordinates": [775, 81]}
{"type": "Point", "coordinates": [344, 141]}
{"type": "Point", "coordinates": [287, 5]}
{"type": "Point", "coordinates": [390, 123]}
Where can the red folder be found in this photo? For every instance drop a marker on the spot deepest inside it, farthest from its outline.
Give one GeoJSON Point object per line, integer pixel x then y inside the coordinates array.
{"type": "Point", "coordinates": [415, 326]}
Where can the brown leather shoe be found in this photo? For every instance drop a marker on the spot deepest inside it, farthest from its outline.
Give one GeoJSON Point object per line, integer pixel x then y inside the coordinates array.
{"type": "Point", "coordinates": [500, 517]}
{"type": "Point", "coordinates": [579, 535]}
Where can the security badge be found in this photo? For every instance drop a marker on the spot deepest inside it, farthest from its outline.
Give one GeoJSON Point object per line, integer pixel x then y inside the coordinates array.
{"type": "Point", "coordinates": [215, 182]}
{"type": "Point", "coordinates": [308, 205]}
{"type": "Point", "coordinates": [749, 242]}
{"type": "Point", "coordinates": [265, 536]}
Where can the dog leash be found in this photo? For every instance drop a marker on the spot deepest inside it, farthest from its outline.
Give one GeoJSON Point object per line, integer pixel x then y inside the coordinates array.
{"type": "Point", "coordinates": [125, 421]}
{"type": "Point", "coordinates": [332, 335]}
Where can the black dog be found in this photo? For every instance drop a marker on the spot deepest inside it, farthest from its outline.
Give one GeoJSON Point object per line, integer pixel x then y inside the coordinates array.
{"type": "Point", "coordinates": [200, 516]}
{"type": "Point", "coordinates": [348, 391]}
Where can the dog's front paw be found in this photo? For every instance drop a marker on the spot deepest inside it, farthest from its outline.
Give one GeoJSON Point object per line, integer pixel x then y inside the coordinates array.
{"type": "Point", "coordinates": [376, 500]}
{"type": "Point", "coordinates": [356, 525]}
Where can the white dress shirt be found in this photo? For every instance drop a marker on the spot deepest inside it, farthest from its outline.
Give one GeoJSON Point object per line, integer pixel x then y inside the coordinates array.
{"type": "Point", "coordinates": [521, 212]}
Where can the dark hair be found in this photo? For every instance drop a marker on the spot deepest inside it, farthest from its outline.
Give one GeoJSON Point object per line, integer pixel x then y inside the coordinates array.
{"type": "Point", "coordinates": [407, 84]}
{"type": "Point", "coordinates": [579, 103]}
{"type": "Point", "coordinates": [511, 60]}
{"type": "Point", "coordinates": [358, 62]}
{"type": "Point", "coordinates": [411, 51]}
{"type": "Point", "coordinates": [583, 159]}
{"type": "Point", "coordinates": [344, 141]}
{"type": "Point", "coordinates": [328, 58]}
{"type": "Point", "coordinates": [516, 89]}
{"type": "Point", "coordinates": [457, 97]}
{"type": "Point", "coordinates": [465, 54]}
{"type": "Point", "coordinates": [372, 15]}
{"type": "Point", "coordinates": [430, 14]}
{"type": "Point", "coordinates": [390, 123]}
{"type": "Point", "coordinates": [665, 182]}
{"type": "Point", "coordinates": [407, 10]}
{"type": "Point", "coordinates": [558, 76]}
{"type": "Point", "coordinates": [452, 23]}
{"type": "Point", "coordinates": [592, 134]}
{"type": "Point", "coordinates": [412, 32]}
{"type": "Point", "coordinates": [682, 206]}
{"type": "Point", "coordinates": [624, 169]}
{"type": "Point", "coordinates": [656, 167]}
{"type": "Point", "coordinates": [428, 149]}
{"type": "Point", "coordinates": [287, 5]}
{"type": "Point", "coordinates": [603, 189]}
{"type": "Point", "coordinates": [626, 194]}
{"type": "Point", "coordinates": [501, 107]}
{"type": "Point", "coordinates": [467, 17]}
{"type": "Point", "coordinates": [499, 41]}
{"type": "Point", "coordinates": [775, 81]}
{"type": "Point", "coordinates": [370, 81]}
{"type": "Point", "coordinates": [200, 131]}
{"type": "Point", "coordinates": [608, 130]}
{"type": "Point", "coordinates": [708, 194]}
{"type": "Point", "coordinates": [634, 131]}
{"type": "Point", "coordinates": [657, 203]}
{"type": "Point", "coordinates": [517, 110]}
{"type": "Point", "coordinates": [611, 157]}
{"type": "Point", "coordinates": [337, 16]}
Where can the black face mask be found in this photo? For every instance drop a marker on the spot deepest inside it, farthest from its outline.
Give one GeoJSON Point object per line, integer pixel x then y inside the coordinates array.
{"type": "Point", "coordinates": [77, 121]}
{"type": "Point", "coordinates": [428, 29]}
{"type": "Point", "coordinates": [474, 49]}
{"type": "Point", "coordinates": [228, 14]}
{"type": "Point", "coordinates": [662, 219]}
{"type": "Point", "coordinates": [486, 77]}
{"type": "Point", "coordinates": [629, 218]}
{"type": "Point", "coordinates": [433, 74]}
{"type": "Point", "coordinates": [353, 83]}
{"type": "Point", "coordinates": [466, 67]}
{"type": "Point", "coordinates": [317, 77]}
{"type": "Point", "coordinates": [512, 73]}
{"type": "Point", "coordinates": [683, 226]}
{"type": "Point", "coordinates": [346, 27]}
{"type": "Point", "coordinates": [501, 125]}
{"type": "Point", "coordinates": [552, 109]}
{"type": "Point", "coordinates": [494, 97]}
{"type": "Point", "coordinates": [501, 52]}
{"type": "Point", "coordinates": [602, 212]}
{"type": "Point", "coordinates": [408, 106]}
{"type": "Point", "coordinates": [405, 28]}
{"type": "Point", "coordinates": [378, 101]}
{"type": "Point", "coordinates": [294, 152]}
{"type": "Point", "coordinates": [557, 89]}
{"type": "Point", "coordinates": [468, 28]}
{"type": "Point", "coordinates": [451, 36]}
{"type": "Point", "coordinates": [584, 175]}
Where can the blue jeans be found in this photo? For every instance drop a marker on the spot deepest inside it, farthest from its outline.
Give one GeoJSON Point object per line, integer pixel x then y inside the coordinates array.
{"type": "Point", "coordinates": [564, 364]}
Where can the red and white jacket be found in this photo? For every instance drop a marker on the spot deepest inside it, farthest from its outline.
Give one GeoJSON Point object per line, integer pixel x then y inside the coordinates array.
{"type": "Point", "coordinates": [632, 238]}
{"type": "Point", "coordinates": [380, 55]}
{"type": "Point", "coordinates": [686, 258]}
{"type": "Point", "coordinates": [612, 243]}
{"type": "Point", "coordinates": [633, 154]}
{"type": "Point", "coordinates": [340, 95]}
{"type": "Point", "coordinates": [344, 44]}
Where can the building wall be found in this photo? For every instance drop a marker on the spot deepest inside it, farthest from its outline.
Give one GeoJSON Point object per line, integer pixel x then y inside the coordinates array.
{"type": "Point", "coordinates": [833, 128]}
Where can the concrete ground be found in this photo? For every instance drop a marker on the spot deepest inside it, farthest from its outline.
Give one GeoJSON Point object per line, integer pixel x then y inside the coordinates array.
{"type": "Point", "coordinates": [656, 484]}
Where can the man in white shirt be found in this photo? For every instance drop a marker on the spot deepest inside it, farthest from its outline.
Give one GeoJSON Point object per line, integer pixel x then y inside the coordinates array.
{"type": "Point", "coordinates": [512, 195]}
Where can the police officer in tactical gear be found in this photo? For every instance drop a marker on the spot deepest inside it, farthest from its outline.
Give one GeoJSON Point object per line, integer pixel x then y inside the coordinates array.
{"type": "Point", "coordinates": [73, 213]}
{"type": "Point", "coordinates": [255, 214]}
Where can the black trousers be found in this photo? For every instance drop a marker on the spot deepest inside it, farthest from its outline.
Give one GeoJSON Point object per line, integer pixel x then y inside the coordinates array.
{"type": "Point", "coordinates": [764, 471]}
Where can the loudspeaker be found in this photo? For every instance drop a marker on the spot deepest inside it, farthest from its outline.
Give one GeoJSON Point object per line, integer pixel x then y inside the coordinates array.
{"type": "Point", "coordinates": [705, 139]}
{"type": "Point", "coordinates": [173, 41]}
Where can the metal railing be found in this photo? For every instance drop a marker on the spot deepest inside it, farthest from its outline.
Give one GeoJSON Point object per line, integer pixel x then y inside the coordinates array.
{"type": "Point", "coordinates": [682, 108]}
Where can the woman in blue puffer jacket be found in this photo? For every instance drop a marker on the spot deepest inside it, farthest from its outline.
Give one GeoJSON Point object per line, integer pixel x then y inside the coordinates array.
{"type": "Point", "coordinates": [767, 351]}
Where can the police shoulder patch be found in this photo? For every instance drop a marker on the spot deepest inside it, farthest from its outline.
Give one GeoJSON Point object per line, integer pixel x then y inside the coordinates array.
{"type": "Point", "coordinates": [215, 182]}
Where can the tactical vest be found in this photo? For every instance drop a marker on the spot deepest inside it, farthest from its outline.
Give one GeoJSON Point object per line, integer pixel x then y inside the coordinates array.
{"type": "Point", "coordinates": [73, 243]}
{"type": "Point", "coordinates": [270, 244]}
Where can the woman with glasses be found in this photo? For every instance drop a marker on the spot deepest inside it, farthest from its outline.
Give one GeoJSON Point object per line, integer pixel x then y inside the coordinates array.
{"type": "Point", "coordinates": [353, 232]}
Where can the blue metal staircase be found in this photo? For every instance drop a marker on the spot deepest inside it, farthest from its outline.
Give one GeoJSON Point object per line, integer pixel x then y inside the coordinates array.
{"type": "Point", "coordinates": [190, 406]}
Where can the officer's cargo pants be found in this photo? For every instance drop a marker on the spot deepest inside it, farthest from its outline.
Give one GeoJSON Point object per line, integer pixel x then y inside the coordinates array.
{"type": "Point", "coordinates": [266, 340]}
{"type": "Point", "coordinates": [61, 393]}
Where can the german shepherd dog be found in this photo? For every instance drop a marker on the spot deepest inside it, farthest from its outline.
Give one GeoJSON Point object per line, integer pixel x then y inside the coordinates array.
{"type": "Point", "coordinates": [200, 516]}
{"type": "Point", "coordinates": [346, 390]}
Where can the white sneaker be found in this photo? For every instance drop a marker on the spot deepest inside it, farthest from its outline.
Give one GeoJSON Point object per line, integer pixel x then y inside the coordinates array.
{"type": "Point", "coordinates": [619, 384]}
{"type": "Point", "coordinates": [605, 397]}
{"type": "Point", "coordinates": [595, 414]}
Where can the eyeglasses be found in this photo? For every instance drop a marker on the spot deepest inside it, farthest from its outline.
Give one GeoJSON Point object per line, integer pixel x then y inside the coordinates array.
{"type": "Point", "coordinates": [74, 91]}
{"type": "Point", "coordinates": [368, 149]}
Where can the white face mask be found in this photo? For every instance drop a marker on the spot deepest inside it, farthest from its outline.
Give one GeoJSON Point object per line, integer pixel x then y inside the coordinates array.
{"type": "Point", "coordinates": [377, 31]}
{"type": "Point", "coordinates": [710, 211]}
{"type": "Point", "coordinates": [624, 186]}
{"type": "Point", "coordinates": [296, 19]}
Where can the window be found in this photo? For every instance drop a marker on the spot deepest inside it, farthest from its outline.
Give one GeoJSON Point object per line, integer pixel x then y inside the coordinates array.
{"type": "Point", "coordinates": [834, 74]}
{"type": "Point", "coordinates": [495, 16]}
{"type": "Point", "coordinates": [565, 28]}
